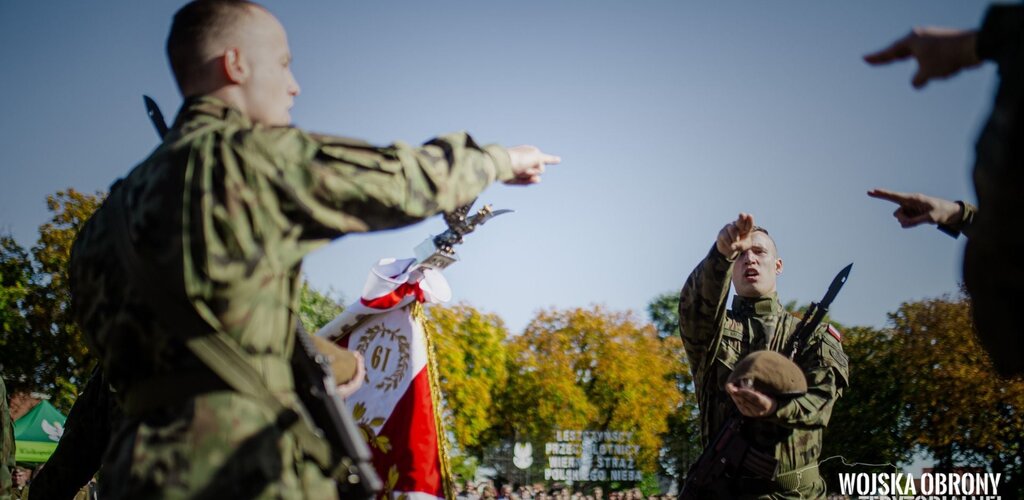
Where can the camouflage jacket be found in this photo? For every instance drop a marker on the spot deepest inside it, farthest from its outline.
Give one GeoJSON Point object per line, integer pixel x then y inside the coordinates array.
{"type": "Point", "coordinates": [87, 431]}
{"type": "Point", "coordinates": [715, 339]}
{"type": "Point", "coordinates": [999, 185]}
{"type": "Point", "coordinates": [224, 211]}
{"type": "Point", "coordinates": [964, 224]}
{"type": "Point", "coordinates": [6, 444]}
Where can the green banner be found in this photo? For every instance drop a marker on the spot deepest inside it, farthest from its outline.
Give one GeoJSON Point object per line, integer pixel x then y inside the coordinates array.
{"type": "Point", "coordinates": [33, 452]}
{"type": "Point", "coordinates": [36, 433]}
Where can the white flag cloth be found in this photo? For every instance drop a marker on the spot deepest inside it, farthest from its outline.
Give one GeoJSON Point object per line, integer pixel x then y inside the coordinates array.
{"type": "Point", "coordinates": [396, 406]}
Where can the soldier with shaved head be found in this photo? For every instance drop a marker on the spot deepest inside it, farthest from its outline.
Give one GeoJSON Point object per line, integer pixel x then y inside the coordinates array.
{"type": "Point", "coordinates": [204, 239]}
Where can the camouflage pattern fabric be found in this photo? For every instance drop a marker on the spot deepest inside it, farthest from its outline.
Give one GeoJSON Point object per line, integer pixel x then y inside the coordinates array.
{"type": "Point", "coordinates": [715, 339]}
{"type": "Point", "coordinates": [224, 211]}
{"type": "Point", "coordinates": [6, 444]}
{"type": "Point", "coordinates": [20, 493]}
{"type": "Point", "coordinates": [964, 224]}
{"type": "Point", "coordinates": [79, 452]}
{"type": "Point", "coordinates": [993, 285]}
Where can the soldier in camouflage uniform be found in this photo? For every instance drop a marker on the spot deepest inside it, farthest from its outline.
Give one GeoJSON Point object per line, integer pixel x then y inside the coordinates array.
{"type": "Point", "coordinates": [998, 173]}
{"type": "Point", "coordinates": [205, 238]}
{"type": "Point", "coordinates": [6, 444]}
{"type": "Point", "coordinates": [87, 430]}
{"type": "Point", "coordinates": [20, 487]}
{"type": "Point", "coordinates": [715, 339]}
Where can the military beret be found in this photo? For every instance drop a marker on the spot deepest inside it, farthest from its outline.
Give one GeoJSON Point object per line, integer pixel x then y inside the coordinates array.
{"type": "Point", "coordinates": [771, 373]}
{"type": "Point", "coordinates": [343, 362]}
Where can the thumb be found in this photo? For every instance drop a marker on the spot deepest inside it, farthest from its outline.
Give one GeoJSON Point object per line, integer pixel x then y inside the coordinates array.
{"type": "Point", "coordinates": [920, 79]}
{"type": "Point", "coordinates": [914, 221]}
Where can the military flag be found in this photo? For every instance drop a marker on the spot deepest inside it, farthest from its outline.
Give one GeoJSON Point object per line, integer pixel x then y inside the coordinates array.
{"type": "Point", "coordinates": [397, 408]}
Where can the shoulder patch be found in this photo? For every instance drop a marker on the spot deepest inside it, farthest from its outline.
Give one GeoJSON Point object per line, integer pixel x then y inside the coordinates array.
{"type": "Point", "coordinates": [835, 333]}
{"type": "Point", "coordinates": [732, 324]}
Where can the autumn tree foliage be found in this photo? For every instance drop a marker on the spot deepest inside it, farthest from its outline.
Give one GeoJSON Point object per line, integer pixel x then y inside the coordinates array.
{"type": "Point", "coordinates": [956, 407]}
{"type": "Point", "coordinates": [681, 440]}
{"type": "Point", "coordinates": [471, 361]}
{"type": "Point", "coordinates": [868, 424]}
{"type": "Point", "coordinates": [43, 347]}
{"type": "Point", "coordinates": [592, 369]}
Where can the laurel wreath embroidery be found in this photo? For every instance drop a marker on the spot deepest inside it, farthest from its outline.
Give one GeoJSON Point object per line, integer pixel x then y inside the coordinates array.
{"type": "Point", "coordinates": [366, 426]}
{"type": "Point", "coordinates": [404, 353]}
{"type": "Point", "coordinates": [371, 437]}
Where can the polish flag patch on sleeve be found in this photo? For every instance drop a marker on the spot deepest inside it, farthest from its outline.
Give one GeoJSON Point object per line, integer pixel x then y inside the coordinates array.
{"type": "Point", "coordinates": [835, 333]}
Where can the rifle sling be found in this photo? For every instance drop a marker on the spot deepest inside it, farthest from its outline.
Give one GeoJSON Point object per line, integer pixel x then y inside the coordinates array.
{"type": "Point", "coordinates": [796, 478]}
{"type": "Point", "coordinates": [219, 352]}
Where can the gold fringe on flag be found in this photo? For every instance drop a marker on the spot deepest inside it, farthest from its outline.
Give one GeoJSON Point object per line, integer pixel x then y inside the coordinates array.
{"type": "Point", "coordinates": [420, 317]}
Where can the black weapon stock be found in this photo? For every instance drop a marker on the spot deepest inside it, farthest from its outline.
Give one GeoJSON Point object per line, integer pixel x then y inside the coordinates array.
{"type": "Point", "coordinates": [315, 386]}
{"type": "Point", "coordinates": [728, 452]}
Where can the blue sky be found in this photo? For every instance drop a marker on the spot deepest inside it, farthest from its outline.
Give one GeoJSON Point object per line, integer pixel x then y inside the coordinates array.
{"type": "Point", "coordinates": [670, 117]}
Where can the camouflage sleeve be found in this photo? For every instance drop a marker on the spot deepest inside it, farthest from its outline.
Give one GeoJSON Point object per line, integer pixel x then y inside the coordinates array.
{"type": "Point", "coordinates": [80, 449]}
{"type": "Point", "coordinates": [999, 38]}
{"type": "Point", "coordinates": [828, 372]}
{"type": "Point", "coordinates": [6, 443]}
{"type": "Point", "coordinates": [963, 223]}
{"type": "Point", "coordinates": [702, 305]}
{"type": "Point", "coordinates": [335, 185]}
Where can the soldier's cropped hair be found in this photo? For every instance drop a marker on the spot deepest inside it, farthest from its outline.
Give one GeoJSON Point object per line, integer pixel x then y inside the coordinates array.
{"type": "Point", "coordinates": [759, 229]}
{"type": "Point", "coordinates": [195, 27]}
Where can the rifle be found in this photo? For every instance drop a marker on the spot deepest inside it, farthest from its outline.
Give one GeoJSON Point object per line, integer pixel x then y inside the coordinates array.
{"type": "Point", "coordinates": [315, 386]}
{"type": "Point", "coordinates": [816, 313]}
{"type": "Point", "coordinates": [729, 451]}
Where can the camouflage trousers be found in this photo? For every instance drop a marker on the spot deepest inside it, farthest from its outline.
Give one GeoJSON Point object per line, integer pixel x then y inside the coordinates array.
{"type": "Point", "coordinates": [219, 445]}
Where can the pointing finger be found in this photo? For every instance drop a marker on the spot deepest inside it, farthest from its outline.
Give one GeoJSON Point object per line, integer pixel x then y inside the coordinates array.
{"type": "Point", "coordinates": [550, 159]}
{"type": "Point", "coordinates": [885, 194]}
{"type": "Point", "coordinates": [745, 223]}
{"type": "Point", "coordinates": [900, 49]}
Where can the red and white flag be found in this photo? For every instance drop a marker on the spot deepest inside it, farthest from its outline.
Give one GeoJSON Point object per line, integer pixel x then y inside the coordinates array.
{"type": "Point", "coordinates": [397, 406]}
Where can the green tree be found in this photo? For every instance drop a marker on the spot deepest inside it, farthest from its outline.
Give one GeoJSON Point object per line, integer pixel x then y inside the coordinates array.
{"type": "Point", "coordinates": [316, 308]}
{"type": "Point", "coordinates": [596, 370]}
{"type": "Point", "coordinates": [868, 424]}
{"type": "Point", "coordinates": [471, 360]}
{"type": "Point", "coordinates": [682, 438]}
{"type": "Point", "coordinates": [46, 349]}
{"type": "Point", "coordinates": [20, 352]}
{"type": "Point", "coordinates": [957, 408]}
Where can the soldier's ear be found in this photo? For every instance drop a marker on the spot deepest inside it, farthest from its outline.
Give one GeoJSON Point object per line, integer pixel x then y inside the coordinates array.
{"type": "Point", "coordinates": [236, 69]}
{"type": "Point", "coordinates": [778, 267]}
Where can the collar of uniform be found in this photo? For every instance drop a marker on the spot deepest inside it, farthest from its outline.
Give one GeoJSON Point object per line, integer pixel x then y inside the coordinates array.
{"type": "Point", "coordinates": [206, 105]}
{"type": "Point", "coordinates": [756, 307]}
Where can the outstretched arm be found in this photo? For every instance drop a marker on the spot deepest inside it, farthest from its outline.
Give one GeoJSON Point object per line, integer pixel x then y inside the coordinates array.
{"type": "Point", "coordinates": [952, 217]}
{"type": "Point", "coordinates": [333, 185]}
{"type": "Point", "coordinates": [703, 298]}
{"type": "Point", "coordinates": [940, 53]}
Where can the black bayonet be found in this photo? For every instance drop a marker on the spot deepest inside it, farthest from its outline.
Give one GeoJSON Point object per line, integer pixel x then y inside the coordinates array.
{"type": "Point", "coordinates": [816, 313]}
{"type": "Point", "coordinates": [155, 116]}
{"type": "Point", "coordinates": [833, 289]}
